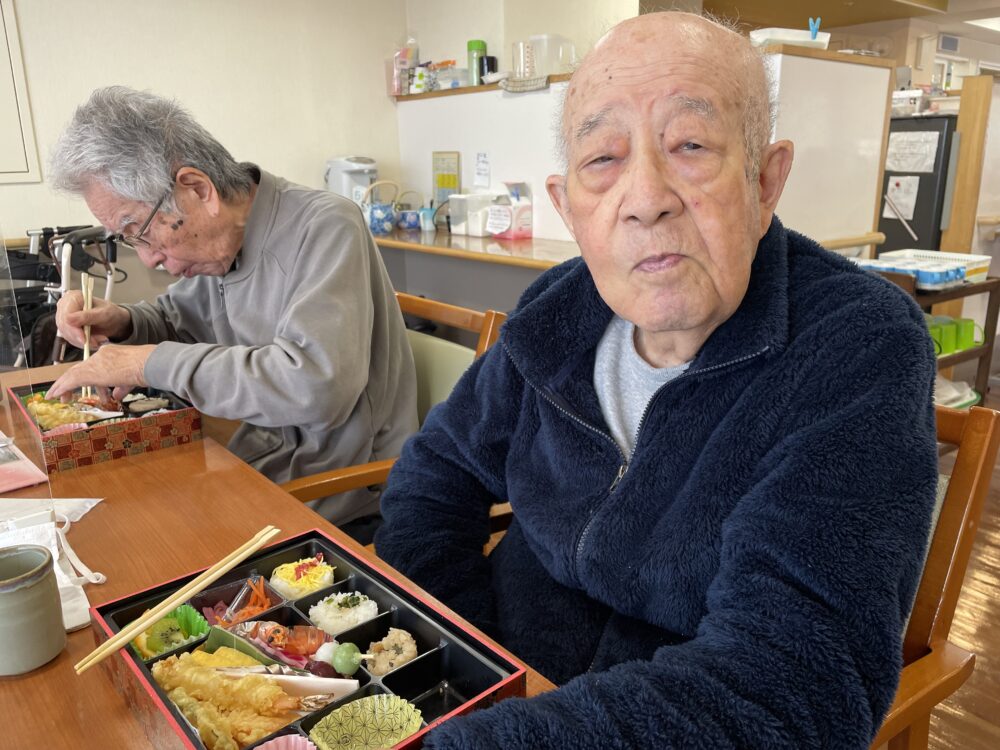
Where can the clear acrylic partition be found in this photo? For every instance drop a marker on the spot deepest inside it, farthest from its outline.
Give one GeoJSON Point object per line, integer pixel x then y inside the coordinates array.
{"type": "Point", "coordinates": [25, 489]}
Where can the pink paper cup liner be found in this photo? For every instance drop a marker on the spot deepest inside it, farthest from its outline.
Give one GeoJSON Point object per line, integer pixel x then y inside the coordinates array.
{"type": "Point", "coordinates": [72, 427]}
{"type": "Point", "coordinates": [288, 742]}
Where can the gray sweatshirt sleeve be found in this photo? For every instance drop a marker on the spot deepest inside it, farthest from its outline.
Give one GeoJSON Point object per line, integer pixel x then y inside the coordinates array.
{"type": "Point", "coordinates": [315, 369]}
{"type": "Point", "coordinates": [178, 315]}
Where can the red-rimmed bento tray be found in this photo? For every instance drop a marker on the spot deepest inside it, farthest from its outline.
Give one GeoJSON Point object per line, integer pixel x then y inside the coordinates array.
{"type": "Point", "coordinates": [108, 440]}
{"type": "Point", "coordinates": [456, 669]}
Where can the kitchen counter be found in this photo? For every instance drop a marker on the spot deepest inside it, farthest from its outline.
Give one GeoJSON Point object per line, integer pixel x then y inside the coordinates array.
{"type": "Point", "coordinates": [530, 253]}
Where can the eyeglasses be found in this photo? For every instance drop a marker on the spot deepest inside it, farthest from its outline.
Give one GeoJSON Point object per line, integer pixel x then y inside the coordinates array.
{"type": "Point", "coordinates": [134, 241]}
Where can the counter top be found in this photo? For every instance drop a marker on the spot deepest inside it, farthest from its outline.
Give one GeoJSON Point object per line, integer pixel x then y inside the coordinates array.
{"type": "Point", "coordinates": [531, 253]}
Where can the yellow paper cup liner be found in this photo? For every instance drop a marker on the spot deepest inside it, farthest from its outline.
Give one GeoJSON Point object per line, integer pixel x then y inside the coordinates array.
{"type": "Point", "coordinates": [378, 721]}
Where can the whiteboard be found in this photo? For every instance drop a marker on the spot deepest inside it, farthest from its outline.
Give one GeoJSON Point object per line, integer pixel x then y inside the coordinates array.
{"type": "Point", "coordinates": [834, 113]}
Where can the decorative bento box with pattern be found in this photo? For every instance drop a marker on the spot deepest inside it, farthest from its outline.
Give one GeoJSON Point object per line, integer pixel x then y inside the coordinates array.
{"type": "Point", "coordinates": [109, 439]}
{"type": "Point", "coordinates": [456, 668]}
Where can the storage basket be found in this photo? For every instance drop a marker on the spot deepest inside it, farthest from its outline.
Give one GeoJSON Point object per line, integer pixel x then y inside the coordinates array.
{"type": "Point", "coordinates": [976, 266]}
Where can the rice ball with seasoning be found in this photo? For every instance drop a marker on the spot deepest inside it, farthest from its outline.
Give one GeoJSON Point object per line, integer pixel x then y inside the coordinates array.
{"type": "Point", "coordinates": [302, 577]}
{"type": "Point", "coordinates": [338, 612]}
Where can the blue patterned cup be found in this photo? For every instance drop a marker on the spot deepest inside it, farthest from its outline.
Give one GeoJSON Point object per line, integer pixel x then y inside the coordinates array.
{"type": "Point", "coordinates": [409, 219]}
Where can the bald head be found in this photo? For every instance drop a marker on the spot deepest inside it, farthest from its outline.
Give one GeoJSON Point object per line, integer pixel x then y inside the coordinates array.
{"type": "Point", "coordinates": [715, 51]}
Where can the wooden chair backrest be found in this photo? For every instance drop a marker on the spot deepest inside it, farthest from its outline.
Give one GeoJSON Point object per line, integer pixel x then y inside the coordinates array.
{"type": "Point", "coordinates": [977, 435]}
{"type": "Point", "coordinates": [486, 324]}
{"type": "Point", "coordinates": [333, 481]}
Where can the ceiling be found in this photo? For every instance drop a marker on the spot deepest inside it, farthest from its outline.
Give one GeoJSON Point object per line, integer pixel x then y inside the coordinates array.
{"type": "Point", "coordinates": [948, 15]}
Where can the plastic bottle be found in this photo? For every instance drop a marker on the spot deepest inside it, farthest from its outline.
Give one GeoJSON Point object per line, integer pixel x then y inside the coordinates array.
{"type": "Point", "coordinates": [477, 49]}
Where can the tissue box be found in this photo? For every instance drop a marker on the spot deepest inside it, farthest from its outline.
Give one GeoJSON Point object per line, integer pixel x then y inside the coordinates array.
{"type": "Point", "coordinates": [510, 217]}
{"type": "Point", "coordinates": [107, 441]}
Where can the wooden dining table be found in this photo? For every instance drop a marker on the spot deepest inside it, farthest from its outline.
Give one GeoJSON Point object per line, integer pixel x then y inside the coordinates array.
{"type": "Point", "coordinates": [163, 514]}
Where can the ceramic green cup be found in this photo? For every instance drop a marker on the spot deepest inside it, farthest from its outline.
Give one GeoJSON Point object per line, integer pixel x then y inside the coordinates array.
{"type": "Point", "coordinates": [935, 331]}
{"type": "Point", "coordinates": [949, 338]}
{"type": "Point", "coordinates": [31, 624]}
{"type": "Point", "coordinates": [944, 335]}
{"type": "Point", "coordinates": [966, 334]}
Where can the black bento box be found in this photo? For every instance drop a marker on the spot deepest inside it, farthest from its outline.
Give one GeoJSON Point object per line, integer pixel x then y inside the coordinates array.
{"type": "Point", "coordinates": [457, 669]}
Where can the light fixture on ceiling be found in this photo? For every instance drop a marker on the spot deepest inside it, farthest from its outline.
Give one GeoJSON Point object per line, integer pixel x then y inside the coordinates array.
{"type": "Point", "coordinates": [993, 24]}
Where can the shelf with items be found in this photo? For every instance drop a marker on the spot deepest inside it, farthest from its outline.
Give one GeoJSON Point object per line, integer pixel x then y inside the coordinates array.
{"type": "Point", "coordinates": [468, 89]}
{"type": "Point", "coordinates": [983, 352]}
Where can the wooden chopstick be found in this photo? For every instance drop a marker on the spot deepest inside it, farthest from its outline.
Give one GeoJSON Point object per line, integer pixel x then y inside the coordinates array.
{"type": "Point", "coordinates": [87, 284]}
{"type": "Point", "coordinates": [204, 580]}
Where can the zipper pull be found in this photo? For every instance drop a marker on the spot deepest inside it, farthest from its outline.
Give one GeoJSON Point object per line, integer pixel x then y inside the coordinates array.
{"type": "Point", "coordinates": [621, 472]}
{"type": "Point", "coordinates": [222, 290]}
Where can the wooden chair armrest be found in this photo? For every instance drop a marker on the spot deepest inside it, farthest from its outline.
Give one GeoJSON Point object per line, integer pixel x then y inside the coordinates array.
{"type": "Point", "coordinates": [336, 481]}
{"type": "Point", "coordinates": [500, 517]}
{"type": "Point", "coordinates": [923, 684]}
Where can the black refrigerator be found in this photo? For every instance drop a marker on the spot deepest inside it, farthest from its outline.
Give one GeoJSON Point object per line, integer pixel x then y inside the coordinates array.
{"type": "Point", "coordinates": [919, 174]}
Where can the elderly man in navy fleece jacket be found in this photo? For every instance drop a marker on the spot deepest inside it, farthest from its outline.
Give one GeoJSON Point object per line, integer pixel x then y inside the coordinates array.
{"type": "Point", "coordinates": [717, 439]}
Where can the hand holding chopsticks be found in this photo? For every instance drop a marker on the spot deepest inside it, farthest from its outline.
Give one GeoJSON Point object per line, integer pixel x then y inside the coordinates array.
{"type": "Point", "coordinates": [197, 585]}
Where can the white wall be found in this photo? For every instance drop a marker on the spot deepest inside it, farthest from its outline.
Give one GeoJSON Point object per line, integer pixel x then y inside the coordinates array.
{"type": "Point", "coordinates": [975, 51]}
{"type": "Point", "coordinates": [286, 85]}
{"type": "Point", "coordinates": [443, 27]}
{"type": "Point", "coordinates": [587, 22]}
{"type": "Point", "coordinates": [516, 131]}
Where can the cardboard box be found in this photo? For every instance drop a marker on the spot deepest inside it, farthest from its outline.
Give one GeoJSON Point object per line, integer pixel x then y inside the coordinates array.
{"type": "Point", "coordinates": [108, 441]}
{"type": "Point", "coordinates": [456, 669]}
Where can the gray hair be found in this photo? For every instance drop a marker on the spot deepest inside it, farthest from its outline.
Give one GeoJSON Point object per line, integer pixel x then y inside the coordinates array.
{"type": "Point", "coordinates": [133, 143]}
{"type": "Point", "coordinates": [760, 104]}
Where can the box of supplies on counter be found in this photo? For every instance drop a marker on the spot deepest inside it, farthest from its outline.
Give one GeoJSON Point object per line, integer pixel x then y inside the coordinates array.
{"type": "Point", "coordinates": [85, 431]}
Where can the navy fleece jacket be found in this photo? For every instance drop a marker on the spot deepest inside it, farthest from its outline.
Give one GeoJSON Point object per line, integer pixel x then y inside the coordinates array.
{"type": "Point", "coordinates": [743, 579]}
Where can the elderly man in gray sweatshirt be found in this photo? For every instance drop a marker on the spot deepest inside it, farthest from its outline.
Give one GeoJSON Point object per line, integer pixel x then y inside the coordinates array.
{"type": "Point", "coordinates": [283, 316]}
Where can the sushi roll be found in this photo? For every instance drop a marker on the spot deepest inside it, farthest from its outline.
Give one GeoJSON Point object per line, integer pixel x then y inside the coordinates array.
{"type": "Point", "coordinates": [302, 577]}
{"type": "Point", "coordinates": [338, 612]}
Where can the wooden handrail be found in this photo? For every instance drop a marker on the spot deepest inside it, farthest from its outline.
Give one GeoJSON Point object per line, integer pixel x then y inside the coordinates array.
{"type": "Point", "coordinates": [872, 238]}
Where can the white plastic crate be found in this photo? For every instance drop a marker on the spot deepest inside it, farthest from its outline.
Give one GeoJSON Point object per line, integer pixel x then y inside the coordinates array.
{"type": "Point", "coordinates": [976, 266]}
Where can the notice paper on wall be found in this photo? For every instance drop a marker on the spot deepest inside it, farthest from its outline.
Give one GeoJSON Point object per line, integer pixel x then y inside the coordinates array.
{"type": "Point", "coordinates": [481, 178]}
{"type": "Point", "coordinates": [912, 151]}
{"type": "Point", "coordinates": [902, 191]}
{"type": "Point", "coordinates": [446, 175]}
